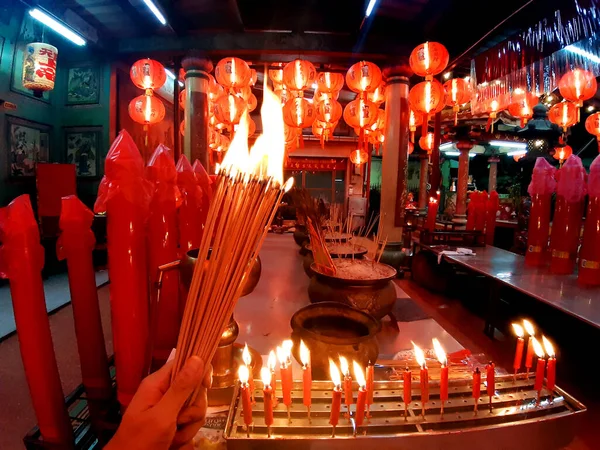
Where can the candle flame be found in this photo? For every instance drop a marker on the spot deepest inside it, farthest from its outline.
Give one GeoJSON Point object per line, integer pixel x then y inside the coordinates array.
{"type": "Point", "coordinates": [287, 346]}
{"type": "Point", "coordinates": [537, 348]}
{"type": "Point", "coordinates": [265, 375]}
{"type": "Point", "coordinates": [246, 357]}
{"type": "Point", "coordinates": [344, 366]}
{"type": "Point", "coordinates": [419, 355]}
{"type": "Point", "coordinates": [243, 374]}
{"type": "Point", "coordinates": [272, 361]}
{"type": "Point", "coordinates": [529, 327]}
{"type": "Point", "coordinates": [359, 374]}
{"type": "Point", "coordinates": [334, 372]}
{"type": "Point", "coordinates": [304, 354]}
{"type": "Point", "coordinates": [548, 347]}
{"type": "Point", "coordinates": [518, 330]}
{"type": "Point", "coordinates": [281, 356]}
{"type": "Point", "coordinates": [439, 352]}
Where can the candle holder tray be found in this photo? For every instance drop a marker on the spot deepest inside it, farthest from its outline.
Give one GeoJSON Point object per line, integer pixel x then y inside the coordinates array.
{"type": "Point", "coordinates": [516, 419]}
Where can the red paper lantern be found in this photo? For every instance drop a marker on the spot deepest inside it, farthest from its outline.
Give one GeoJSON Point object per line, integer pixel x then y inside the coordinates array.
{"type": "Point", "coordinates": [214, 139]}
{"type": "Point", "coordinates": [429, 59]}
{"type": "Point", "coordinates": [458, 92]}
{"type": "Point", "coordinates": [276, 76]}
{"type": "Point", "coordinates": [233, 72]}
{"type": "Point", "coordinates": [592, 125]}
{"type": "Point", "coordinates": [359, 157]}
{"type": "Point", "coordinates": [376, 137]}
{"type": "Point", "coordinates": [299, 74]}
{"type": "Point", "coordinates": [426, 142]}
{"type": "Point", "coordinates": [379, 124]}
{"type": "Point", "coordinates": [563, 114]}
{"type": "Point", "coordinates": [252, 103]}
{"type": "Point", "coordinates": [148, 74]}
{"type": "Point", "coordinates": [363, 76]}
{"type": "Point", "coordinates": [215, 90]}
{"type": "Point", "coordinates": [228, 109]}
{"type": "Point", "coordinates": [577, 86]}
{"type": "Point", "coordinates": [251, 126]}
{"type": "Point", "coordinates": [522, 105]}
{"type": "Point", "coordinates": [360, 113]}
{"type": "Point", "coordinates": [378, 95]}
{"type": "Point", "coordinates": [329, 82]}
{"type": "Point", "coordinates": [182, 99]}
{"type": "Point", "coordinates": [182, 127]}
{"type": "Point", "coordinates": [427, 97]}
{"type": "Point", "coordinates": [329, 111]}
{"type": "Point", "coordinates": [298, 113]}
{"type": "Point", "coordinates": [323, 130]}
{"type": "Point", "coordinates": [562, 153]}
{"type": "Point", "coordinates": [146, 109]}
{"type": "Point", "coordinates": [224, 143]}
{"type": "Point", "coordinates": [322, 96]}
{"type": "Point", "coordinates": [244, 92]}
{"type": "Point", "coordinates": [411, 148]}
{"type": "Point", "coordinates": [253, 77]}
{"type": "Point", "coordinates": [414, 121]}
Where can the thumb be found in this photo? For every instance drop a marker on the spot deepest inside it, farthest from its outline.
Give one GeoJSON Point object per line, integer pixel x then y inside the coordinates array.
{"type": "Point", "coordinates": [182, 387]}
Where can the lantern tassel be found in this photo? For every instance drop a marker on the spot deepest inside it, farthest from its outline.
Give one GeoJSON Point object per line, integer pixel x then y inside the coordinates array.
{"type": "Point", "coordinates": [456, 108]}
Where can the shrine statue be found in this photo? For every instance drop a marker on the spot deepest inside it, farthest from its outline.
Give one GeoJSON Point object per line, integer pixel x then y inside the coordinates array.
{"type": "Point", "coordinates": [410, 201]}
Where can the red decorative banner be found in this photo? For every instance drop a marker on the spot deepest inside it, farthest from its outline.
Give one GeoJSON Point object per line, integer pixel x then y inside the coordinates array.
{"type": "Point", "coordinates": [315, 164]}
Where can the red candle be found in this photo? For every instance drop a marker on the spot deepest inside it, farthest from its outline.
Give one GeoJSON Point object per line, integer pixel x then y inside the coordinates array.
{"type": "Point", "coordinates": [476, 385]}
{"type": "Point", "coordinates": [265, 374]}
{"type": "Point", "coordinates": [336, 397]}
{"type": "Point", "coordinates": [286, 383]}
{"type": "Point", "coordinates": [243, 375]}
{"type": "Point", "coordinates": [529, 356]}
{"type": "Point", "coordinates": [432, 210]}
{"type": "Point", "coordinates": [551, 365]}
{"type": "Point", "coordinates": [362, 394]}
{"type": "Point", "coordinates": [370, 383]}
{"type": "Point", "coordinates": [271, 364]}
{"type": "Point", "coordinates": [424, 385]}
{"type": "Point", "coordinates": [441, 356]}
{"type": "Point", "coordinates": [520, 345]}
{"type": "Point", "coordinates": [407, 378]}
{"type": "Point", "coordinates": [539, 374]}
{"type": "Point", "coordinates": [491, 379]}
{"type": "Point", "coordinates": [307, 385]}
{"type": "Point", "coordinates": [348, 397]}
{"type": "Point", "coordinates": [247, 358]}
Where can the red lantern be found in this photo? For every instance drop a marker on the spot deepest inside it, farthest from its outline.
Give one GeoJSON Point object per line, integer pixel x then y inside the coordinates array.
{"type": "Point", "coordinates": [233, 72]}
{"type": "Point", "coordinates": [182, 127]}
{"type": "Point", "coordinates": [253, 77]}
{"type": "Point", "coordinates": [360, 113]}
{"type": "Point", "coordinates": [562, 153]}
{"type": "Point", "coordinates": [214, 139]}
{"type": "Point", "coordinates": [229, 108]}
{"type": "Point", "coordinates": [252, 103]}
{"type": "Point", "coordinates": [378, 95]}
{"type": "Point", "coordinates": [427, 97]}
{"type": "Point", "coordinates": [563, 114]}
{"type": "Point", "coordinates": [426, 142]}
{"type": "Point", "coordinates": [522, 105]}
{"type": "Point", "coordinates": [182, 99]}
{"type": "Point", "coordinates": [276, 76]}
{"type": "Point", "coordinates": [329, 111]}
{"type": "Point", "coordinates": [244, 92]}
{"type": "Point", "coordinates": [146, 109]}
{"type": "Point", "coordinates": [323, 130]}
{"type": "Point", "coordinates": [299, 113]}
{"type": "Point", "coordinates": [359, 157]}
{"type": "Point", "coordinates": [148, 74]}
{"type": "Point", "coordinates": [329, 82]}
{"type": "Point", "coordinates": [379, 124]}
{"type": "Point", "coordinates": [251, 126]}
{"type": "Point", "coordinates": [411, 148]}
{"type": "Point", "coordinates": [458, 93]}
{"type": "Point", "coordinates": [493, 107]}
{"type": "Point", "coordinates": [215, 90]}
{"type": "Point", "coordinates": [322, 96]}
{"type": "Point", "coordinates": [577, 86]}
{"type": "Point", "coordinates": [363, 76]}
{"type": "Point", "coordinates": [429, 59]}
{"type": "Point", "coordinates": [299, 74]}
{"type": "Point", "coordinates": [592, 125]}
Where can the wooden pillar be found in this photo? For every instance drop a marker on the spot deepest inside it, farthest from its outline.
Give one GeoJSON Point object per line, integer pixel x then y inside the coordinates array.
{"type": "Point", "coordinates": [435, 180]}
{"type": "Point", "coordinates": [394, 167]}
{"type": "Point", "coordinates": [195, 143]}
{"type": "Point", "coordinates": [463, 180]}
{"type": "Point", "coordinates": [493, 160]}
{"type": "Point", "coordinates": [423, 175]}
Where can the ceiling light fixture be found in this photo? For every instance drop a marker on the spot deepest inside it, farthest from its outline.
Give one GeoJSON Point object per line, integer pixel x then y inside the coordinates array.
{"type": "Point", "coordinates": [517, 153]}
{"type": "Point", "coordinates": [471, 155]}
{"type": "Point", "coordinates": [370, 7]}
{"type": "Point", "coordinates": [582, 52]}
{"type": "Point", "coordinates": [590, 108]}
{"type": "Point", "coordinates": [446, 145]}
{"type": "Point", "coordinates": [508, 144]}
{"type": "Point", "coordinates": [58, 26]}
{"type": "Point", "coordinates": [447, 75]}
{"type": "Point", "coordinates": [171, 75]}
{"type": "Point", "coordinates": [152, 7]}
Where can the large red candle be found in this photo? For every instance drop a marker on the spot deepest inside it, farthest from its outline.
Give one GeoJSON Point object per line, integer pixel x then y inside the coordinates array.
{"type": "Point", "coordinates": [540, 189]}
{"type": "Point", "coordinates": [190, 211]}
{"type": "Point", "coordinates": [76, 244]}
{"type": "Point", "coordinates": [306, 375]}
{"type": "Point", "coordinates": [589, 254]}
{"type": "Point", "coordinates": [286, 384]}
{"type": "Point", "coordinates": [480, 210]}
{"type": "Point", "coordinates": [490, 217]}
{"type": "Point", "coordinates": [444, 384]}
{"type": "Point", "coordinates": [21, 261]}
{"type": "Point", "coordinates": [432, 210]}
{"type": "Point", "coordinates": [518, 360]}
{"type": "Point", "coordinates": [441, 356]}
{"type": "Point", "coordinates": [125, 196]}
{"type": "Point", "coordinates": [424, 379]}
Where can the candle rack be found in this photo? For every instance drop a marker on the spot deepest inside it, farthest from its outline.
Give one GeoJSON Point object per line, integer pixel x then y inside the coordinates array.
{"type": "Point", "coordinates": [516, 419]}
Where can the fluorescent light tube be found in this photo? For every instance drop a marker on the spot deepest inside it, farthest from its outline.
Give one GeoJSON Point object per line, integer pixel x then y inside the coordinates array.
{"type": "Point", "coordinates": [370, 7]}
{"type": "Point", "coordinates": [471, 155]}
{"type": "Point", "coordinates": [517, 153]}
{"type": "Point", "coordinates": [509, 144]}
{"type": "Point", "coordinates": [152, 7]}
{"type": "Point", "coordinates": [446, 145]}
{"type": "Point", "coordinates": [582, 52]}
{"type": "Point", "coordinates": [171, 75]}
{"type": "Point", "coordinates": [57, 26]}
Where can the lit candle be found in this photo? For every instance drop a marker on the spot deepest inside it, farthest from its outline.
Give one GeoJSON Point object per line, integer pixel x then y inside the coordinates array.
{"type": "Point", "coordinates": [370, 386]}
{"type": "Point", "coordinates": [336, 397]}
{"type": "Point", "coordinates": [243, 375]}
{"type": "Point", "coordinates": [265, 375]}
{"type": "Point", "coordinates": [348, 397]}
{"type": "Point", "coordinates": [432, 210]}
{"type": "Point", "coordinates": [540, 368]}
{"type": "Point", "coordinates": [550, 365]}
{"type": "Point", "coordinates": [271, 364]}
{"type": "Point", "coordinates": [476, 387]}
{"type": "Point", "coordinates": [424, 377]}
{"type": "Point", "coordinates": [362, 393]}
{"type": "Point", "coordinates": [286, 379]}
{"type": "Point", "coordinates": [287, 346]}
{"type": "Point", "coordinates": [247, 358]}
{"type": "Point", "coordinates": [407, 390]}
{"type": "Point", "coordinates": [490, 370]}
{"type": "Point", "coordinates": [519, 350]}
{"type": "Point", "coordinates": [306, 377]}
{"type": "Point", "coordinates": [441, 356]}
{"type": "Point", "coordinates": [529, 356]}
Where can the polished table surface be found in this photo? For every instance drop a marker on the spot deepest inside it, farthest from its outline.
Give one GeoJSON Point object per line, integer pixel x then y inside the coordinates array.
{"type": "Point", "coordinates": [560, 291]}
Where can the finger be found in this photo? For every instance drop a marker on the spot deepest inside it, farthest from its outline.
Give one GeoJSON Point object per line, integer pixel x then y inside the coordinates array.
{"type": "Point", "coordinates": [152, 388]}
{"type": "Point", "coordinates": [186, 433]}
{"type": "Point", "coordinates": [182, 387]}
{"type": "Point", "coordinates": [207, 381]}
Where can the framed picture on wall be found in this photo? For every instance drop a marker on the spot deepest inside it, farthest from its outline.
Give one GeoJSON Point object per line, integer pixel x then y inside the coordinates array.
{"type": "Point", "coordinates": [83, 85]}
{"type": "Point", "coordinates": [83, 150]}
{"type": "Point", "coordinates": [28, 144]}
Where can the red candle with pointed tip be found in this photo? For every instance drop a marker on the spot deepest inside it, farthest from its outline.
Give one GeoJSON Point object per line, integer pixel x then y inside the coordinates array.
{"type": "Point", "coordinates": [268, 399]}
{"type": "Point", "coordinates": [407, 386]}
{"type": "Point", "coordinates": [348, 396]}
{"type": "Point", "coordinates": [444, 383]}
{"type": "Point", "coordinates": [307, 386]}
{"type": "Point", "coordinates": [286, 384]}
{"type": "Point", "coordinates": [539, 374]}
{"type": "Point", "coordinates": [370, 383]}
{"type": "Point", "coordinates": [336, 404]}
{"type": "Point", "coordinates": [246, 403]}
{"type": "Point", "coordinates": [491, 379]}
{"type": "Point", "coordinates": [551, 374]}
{"type": "Point", "coordinates": [424, 378]}
{"type": "Point", "coordinates": [529, 355]}
{"type": "Point", "coordinates": [360, 405]}
{"type": "Point", "coordinates": [476, 384]}
{"type": "Point", "coordinates": [519, 353]}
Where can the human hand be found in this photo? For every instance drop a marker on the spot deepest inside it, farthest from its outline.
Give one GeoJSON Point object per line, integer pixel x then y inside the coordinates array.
{"type": "Point", "coordinates": [156, 418]}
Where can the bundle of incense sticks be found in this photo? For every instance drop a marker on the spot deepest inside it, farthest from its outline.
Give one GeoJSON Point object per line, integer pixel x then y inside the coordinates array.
{"type": "Point", "coordinates": [248, 189]}
{"type": "Point", "coordinates": [321, 255]}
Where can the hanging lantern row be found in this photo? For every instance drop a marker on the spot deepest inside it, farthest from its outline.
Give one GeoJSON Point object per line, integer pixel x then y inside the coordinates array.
{"type": "Point", "coordinates": [147, 109]}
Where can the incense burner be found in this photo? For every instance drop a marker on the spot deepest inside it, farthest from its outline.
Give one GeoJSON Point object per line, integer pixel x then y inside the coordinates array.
{"type": "Point", "coordinates": [375, 296]}
{"type": "Point", "coordinates": [357, 252]}
{"type": "Point", "coordinates": [331, 329]}
{"type": "Point", "coordinates": [393, 255]}
{"type": "Point", "coordinates": [300, 235]}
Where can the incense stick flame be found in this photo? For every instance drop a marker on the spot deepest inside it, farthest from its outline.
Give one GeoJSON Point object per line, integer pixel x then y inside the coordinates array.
{"type": "Point", "coordinates": [334, 372]}
{"type": "Point", "coordinates": [344, 366]}
{"type": "Point", "coordinates": [243, 374]}
{"type": "Point", "coordinates": [537, 348]}
{"type": "Point", "coordinates": [265, 375]}
{"type": "Point", "coordinates": [529, 327]}
{"type": "Point", "coordinates": [359, 374]}
{"type": "Point", "coordinates": [549, 347]}
{"type": "Point", "coordinates": [304, 354]}
{"type": "Point", "coordinates": [439, 352]}
{"type": "Point", "coordinates": [518, 330]}
{"type": "Point", "coordinates": [419, 355]}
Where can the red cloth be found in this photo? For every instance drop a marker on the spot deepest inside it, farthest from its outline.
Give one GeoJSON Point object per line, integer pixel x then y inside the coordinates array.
{"type": "Point", "coordinates": [589, 254]}
{"type": "Point", "coordinates": [490, 221]}
{"type": "Point", "coordinates": [54, 181]}
{"type": "Point", "coordinates": [190, 212]}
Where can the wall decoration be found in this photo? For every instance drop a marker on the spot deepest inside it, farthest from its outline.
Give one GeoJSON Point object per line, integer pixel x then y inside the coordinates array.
{"type": "Point", "coordinates": [28, 144]}
{"type": "Point", "coordinates": [84, 150]}
{"type": "Point", "coordinates": [83, 86]}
